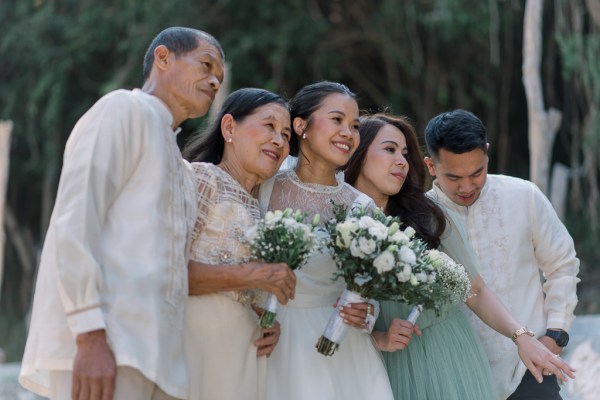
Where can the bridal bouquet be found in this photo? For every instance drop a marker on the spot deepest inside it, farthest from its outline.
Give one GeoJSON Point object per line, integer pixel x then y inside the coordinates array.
{"type": "Point", "coordinates": [433, 281]}
{"type": "Point", "coordinates": [378, 260]}
{"type": "Point", "coordinates": [282, 237]}
{"type": "Point", "coordinates": [371, 252]}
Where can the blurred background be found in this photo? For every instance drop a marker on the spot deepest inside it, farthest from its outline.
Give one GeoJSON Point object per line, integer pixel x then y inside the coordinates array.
{"type": "Point", "coordinates": [412, 57]}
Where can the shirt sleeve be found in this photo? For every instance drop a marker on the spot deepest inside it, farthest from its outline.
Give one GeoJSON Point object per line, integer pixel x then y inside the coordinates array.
{"type": "Point", "coordinates": [100, 156]}
{"type": "Point", "coordinates": [555, 252]}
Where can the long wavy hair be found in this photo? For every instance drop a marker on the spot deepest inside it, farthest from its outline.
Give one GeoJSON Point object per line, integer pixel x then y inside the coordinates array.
{"type": "Point", "coordinates": [410, 203]}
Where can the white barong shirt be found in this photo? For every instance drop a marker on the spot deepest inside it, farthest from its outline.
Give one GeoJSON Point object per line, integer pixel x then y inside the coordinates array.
{"type": "Point", "coordinates": [527, 259]}
{"type": "Point", "coordinates": [116, 251]}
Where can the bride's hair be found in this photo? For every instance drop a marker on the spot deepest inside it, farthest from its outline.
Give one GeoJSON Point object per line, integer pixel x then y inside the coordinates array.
{"type": "Point", "coordinates": [410, 203]}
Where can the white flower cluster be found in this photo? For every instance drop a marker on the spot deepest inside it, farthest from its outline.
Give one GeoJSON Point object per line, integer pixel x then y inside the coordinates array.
{"type": "Point", "coordinates": [282, 236]}
{"type": "Point", "coordinates": [372, 252]}
{"type": "Point", "coordinates": [379, 260]}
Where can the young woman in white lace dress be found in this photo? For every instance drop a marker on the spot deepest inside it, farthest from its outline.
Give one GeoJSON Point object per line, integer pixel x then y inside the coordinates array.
{"type": "Point", "coordinates": [225, 349]}
{"type": "Point", "coordinates": [325, 123]}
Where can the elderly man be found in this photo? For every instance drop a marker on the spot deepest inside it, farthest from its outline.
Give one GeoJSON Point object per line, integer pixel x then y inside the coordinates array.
{"type": "Point", "coordinates": [112, 283]}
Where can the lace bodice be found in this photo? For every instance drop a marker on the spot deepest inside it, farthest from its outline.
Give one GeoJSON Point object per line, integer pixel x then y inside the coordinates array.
{"type": "Point", "coordinates": [314, 286]}
{"type": "Point", "coordinates": [290, 191]}
{"type": "Point", "coordinates": [225, 213]}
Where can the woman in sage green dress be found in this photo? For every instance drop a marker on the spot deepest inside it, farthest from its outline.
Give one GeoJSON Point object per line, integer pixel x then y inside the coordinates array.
{"type": "Point", "coordinates": [445, 360]}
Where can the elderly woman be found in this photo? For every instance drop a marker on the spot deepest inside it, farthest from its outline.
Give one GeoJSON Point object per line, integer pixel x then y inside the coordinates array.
{"type": "Point", "coordinates": [225, 348]}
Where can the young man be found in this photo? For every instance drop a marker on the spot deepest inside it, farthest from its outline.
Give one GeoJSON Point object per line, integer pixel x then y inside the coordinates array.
{"type": "Point", "coordinates": [109, 303]}
{"type": "Point", "coordinates": [527, 256]}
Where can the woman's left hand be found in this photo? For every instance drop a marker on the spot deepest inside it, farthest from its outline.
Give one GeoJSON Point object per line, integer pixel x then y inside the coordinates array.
{"type": "Point", "coordinates": [538, 358]}
{"type": "Point", "coordinates": [270, 337]}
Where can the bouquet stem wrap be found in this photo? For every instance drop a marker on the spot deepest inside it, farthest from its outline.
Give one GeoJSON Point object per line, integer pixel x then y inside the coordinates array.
{"type": "Point", "coordinates": [414, 314]}
{"type": "Point", "coordinates": [267, 319]}
{"type": "Point", "coordinates": [336, 329]}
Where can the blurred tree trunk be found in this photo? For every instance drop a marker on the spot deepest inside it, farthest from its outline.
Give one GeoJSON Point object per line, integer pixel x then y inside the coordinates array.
{"type": "Point", "coordinates": [5, 130]}
{"type": "Point", "coordinates": [543, 124]}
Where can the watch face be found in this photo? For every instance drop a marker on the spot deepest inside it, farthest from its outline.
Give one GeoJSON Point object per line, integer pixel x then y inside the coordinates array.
{"type": "Point", "coordinates": [561, 337]}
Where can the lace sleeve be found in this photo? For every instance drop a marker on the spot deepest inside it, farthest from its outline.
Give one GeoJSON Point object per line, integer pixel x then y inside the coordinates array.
{"type": "Point", "coordinates": [206, 190]}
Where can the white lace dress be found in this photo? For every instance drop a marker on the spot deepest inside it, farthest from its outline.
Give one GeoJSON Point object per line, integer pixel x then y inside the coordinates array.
{"type": "Point", "coordinates": [295, 370]}
{"type": "Point", "coordinates": [221, 328]}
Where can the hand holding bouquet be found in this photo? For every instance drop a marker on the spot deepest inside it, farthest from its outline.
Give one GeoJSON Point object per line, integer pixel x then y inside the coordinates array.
{"type": "Point", "coordinates": [282, 237]}
{"type": "Point", "coordinates": [369, 249]}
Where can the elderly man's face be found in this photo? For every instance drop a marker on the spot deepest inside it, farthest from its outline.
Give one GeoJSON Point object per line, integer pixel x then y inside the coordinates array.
{"type": "Point", "coordinates": [195, 78]}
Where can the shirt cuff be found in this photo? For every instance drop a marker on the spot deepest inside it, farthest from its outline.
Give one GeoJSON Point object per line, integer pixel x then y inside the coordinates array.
{"type": "Point", "coordinates": [560, 322]}
{"type": "Point", "coordinates": [90, 319]}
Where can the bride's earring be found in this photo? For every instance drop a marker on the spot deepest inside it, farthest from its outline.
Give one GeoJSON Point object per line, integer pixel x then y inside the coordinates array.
{"type": "Point", "coordinates": [304, 135]}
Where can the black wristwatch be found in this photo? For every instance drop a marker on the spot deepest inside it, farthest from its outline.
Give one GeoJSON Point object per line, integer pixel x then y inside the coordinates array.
{"type": "Point", "coordinates": [560, 337]}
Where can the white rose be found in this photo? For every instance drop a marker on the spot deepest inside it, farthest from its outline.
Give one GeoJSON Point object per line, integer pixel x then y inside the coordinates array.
{"type": "Point", "coordinates": [384, 262]}
{"type": "Point", "coordinates": [399, 237]}
{"type": "Point", "coordinates": [271, 218]}
{"type": "Point", "coordinates": [346, 229]}
{"type": "Point", "coordinates": [434, 255]}
{"type": "Point", "coordinates": [407, 255]}
{"type": "Point", "coordinates": [421, 276]}
{"type": "Point", "coordinates": [379, 231]}
{"type": "Point", "coordinates": [367, 246]}
{"type": "Point", "coordinates": [404, 275]}
{"type": "Point", "coordinates": [355, 249]}
{"type": "Point", "coordinates": [366, 222]}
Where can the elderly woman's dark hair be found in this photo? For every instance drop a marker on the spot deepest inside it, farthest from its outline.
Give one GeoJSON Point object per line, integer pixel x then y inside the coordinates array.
{"type": "Point", "coordinates": [410, 204]}
{"type": "Point", "coordinates": [308, 100]}
{"type": "Point", "coordinates": [209, 145]}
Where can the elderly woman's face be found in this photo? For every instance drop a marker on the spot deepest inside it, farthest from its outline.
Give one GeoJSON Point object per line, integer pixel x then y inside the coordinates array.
{"type": "Point", "coordinates": [261, 141]}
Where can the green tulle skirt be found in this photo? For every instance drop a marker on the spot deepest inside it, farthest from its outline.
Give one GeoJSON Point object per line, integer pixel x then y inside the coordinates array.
{"type": "Point", "coordinates": [446, 363]}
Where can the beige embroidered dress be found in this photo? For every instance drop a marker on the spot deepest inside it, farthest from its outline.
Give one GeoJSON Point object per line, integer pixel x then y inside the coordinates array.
{"type": "Point", "coordinates": [221, 328]}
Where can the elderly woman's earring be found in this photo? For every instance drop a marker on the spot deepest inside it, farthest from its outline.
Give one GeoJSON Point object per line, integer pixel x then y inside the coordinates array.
{"type": "Point", "coordinates": [304, 135]}
{"type": "Point", "coordinates": [229, 140]}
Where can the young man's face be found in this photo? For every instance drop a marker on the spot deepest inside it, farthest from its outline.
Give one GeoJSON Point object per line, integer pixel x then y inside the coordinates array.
{"type": "Point", "coordinates": [460, 176]}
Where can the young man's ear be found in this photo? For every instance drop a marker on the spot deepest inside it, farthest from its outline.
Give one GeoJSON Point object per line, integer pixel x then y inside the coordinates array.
{"type": "Point", "coordinates": [430, 165]}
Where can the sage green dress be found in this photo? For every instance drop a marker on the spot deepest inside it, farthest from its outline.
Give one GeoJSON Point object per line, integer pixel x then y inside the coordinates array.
{"type": "Point", "coordinates": [447, 362]}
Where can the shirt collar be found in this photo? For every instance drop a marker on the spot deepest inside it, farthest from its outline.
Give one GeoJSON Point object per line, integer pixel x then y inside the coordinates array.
{"type": "Point", "coordinates": [159, 107]}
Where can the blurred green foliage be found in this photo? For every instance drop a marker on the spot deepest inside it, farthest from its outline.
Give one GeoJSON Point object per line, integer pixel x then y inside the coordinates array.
{"type": "Point", "coordinates": [414, 57]}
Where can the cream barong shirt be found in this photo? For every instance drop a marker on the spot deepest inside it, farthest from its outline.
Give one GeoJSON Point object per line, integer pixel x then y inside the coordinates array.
{"type": "Point", "coordinates": [527, 259]}
{"type": "Point", "coordinates": [116, 251]}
